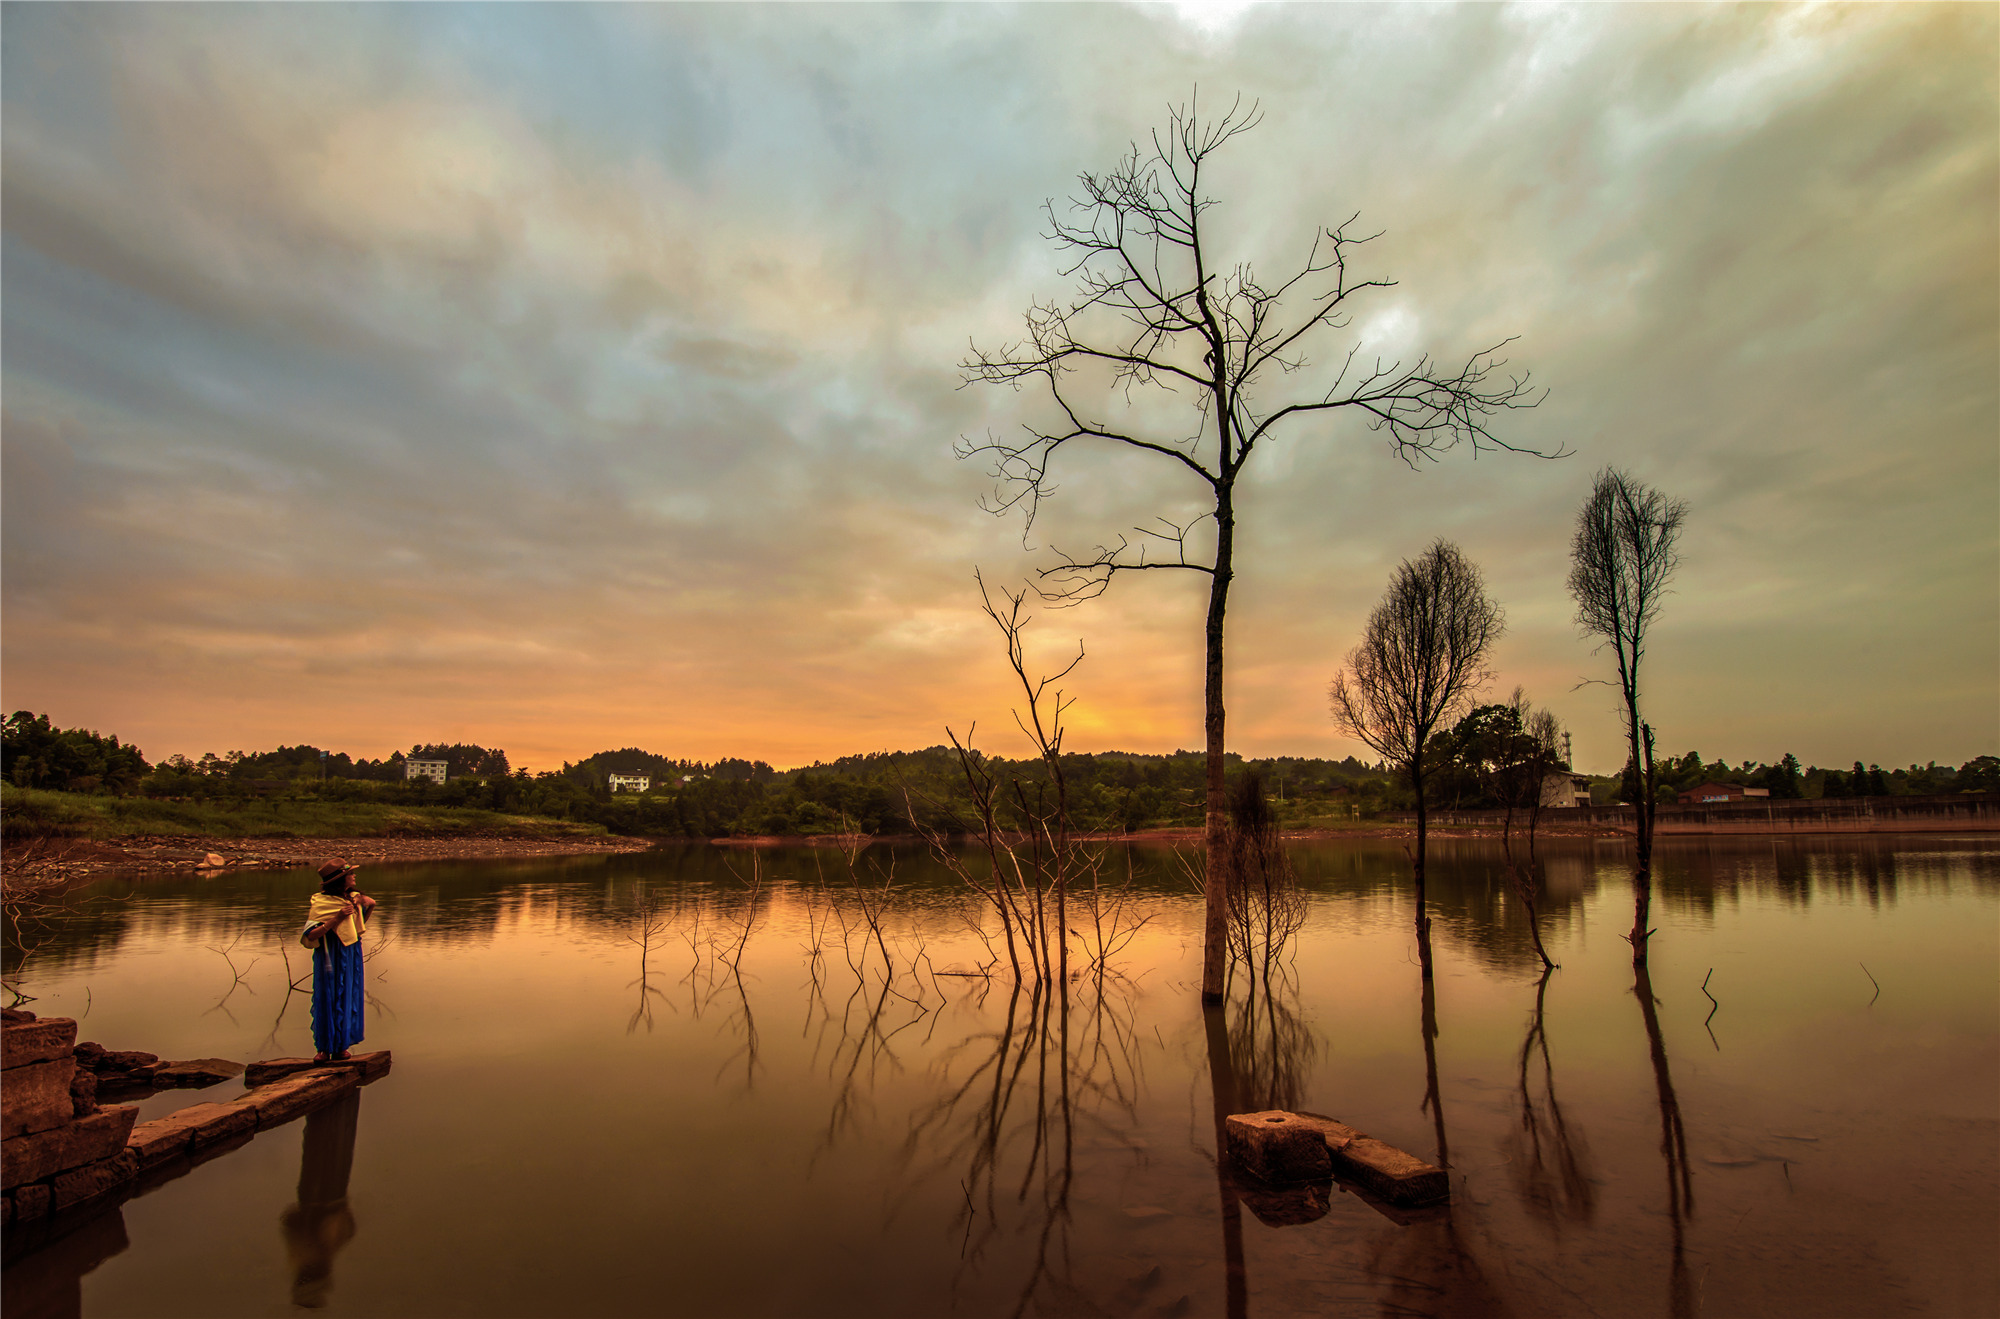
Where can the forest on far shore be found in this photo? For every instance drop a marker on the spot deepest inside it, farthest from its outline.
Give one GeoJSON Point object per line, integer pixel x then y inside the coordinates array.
{"type": "Point", "coordinates": [873, 793]}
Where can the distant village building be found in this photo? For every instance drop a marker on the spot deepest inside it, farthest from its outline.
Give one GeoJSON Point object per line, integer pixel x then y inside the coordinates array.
{"type": "Point", "coordinates": [434, 770]}
{"type": "Point", "coordinates": [1714, 792]}
{"type": "Point", "coordinates": [1565, 790]}
{"type": "Point", "coordinates": [629, 782]}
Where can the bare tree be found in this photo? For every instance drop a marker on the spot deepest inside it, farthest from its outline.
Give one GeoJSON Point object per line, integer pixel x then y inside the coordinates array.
{"type": "Point", "coordinates": [1621, 559]}
{"type": "Point", "coordinates": [1159, 317]}
{"type": "Point", "coordinates": [1418, 665]}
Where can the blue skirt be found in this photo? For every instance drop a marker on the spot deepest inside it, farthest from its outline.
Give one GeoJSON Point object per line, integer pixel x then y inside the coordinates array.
{"type": "Point", "coordinates": [338, 1002]}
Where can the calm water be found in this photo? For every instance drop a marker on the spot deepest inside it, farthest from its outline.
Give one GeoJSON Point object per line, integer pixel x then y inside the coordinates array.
{"type": "Point", "coordinates": [568, 1132]}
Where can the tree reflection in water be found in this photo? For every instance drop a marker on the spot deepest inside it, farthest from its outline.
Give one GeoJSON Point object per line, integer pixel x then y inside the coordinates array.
{"type": "Point", "coordinates": [1007, 1117]}
{"type": "Point", "coordinates": [1550, 1160]}
{"type": "Point", "coordinates": [1428, 1266]}
{"type": "Point", "coordinates": [1673, 1149]}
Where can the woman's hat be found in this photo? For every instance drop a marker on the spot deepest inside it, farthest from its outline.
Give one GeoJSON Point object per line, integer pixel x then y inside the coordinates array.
{"type": "Point", "coordinates": [335, 869]}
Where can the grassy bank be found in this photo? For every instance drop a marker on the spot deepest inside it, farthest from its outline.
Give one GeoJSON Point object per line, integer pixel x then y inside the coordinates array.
{"type": "Point", "coordinates": [33, 813]}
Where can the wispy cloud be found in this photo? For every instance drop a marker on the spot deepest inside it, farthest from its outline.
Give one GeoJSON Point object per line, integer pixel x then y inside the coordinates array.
{"type": "Point", "coordinates": [562, 376]}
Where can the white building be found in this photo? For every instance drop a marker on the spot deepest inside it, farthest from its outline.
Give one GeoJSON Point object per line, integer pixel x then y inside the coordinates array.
{"type": "Point", "coordinates": [425, 769]}
{"type": "Point", "coordinates": [1565, 790]}
{"type": "Point", "coordinates": [629, 782]}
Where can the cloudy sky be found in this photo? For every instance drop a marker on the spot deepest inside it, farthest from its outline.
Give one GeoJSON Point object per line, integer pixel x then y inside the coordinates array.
{"type": "Point", "coordinates": [568, 377]}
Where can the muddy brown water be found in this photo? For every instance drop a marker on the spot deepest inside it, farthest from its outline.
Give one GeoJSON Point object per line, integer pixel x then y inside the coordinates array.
{"type": "Point", "coordinates": [568, 1132]}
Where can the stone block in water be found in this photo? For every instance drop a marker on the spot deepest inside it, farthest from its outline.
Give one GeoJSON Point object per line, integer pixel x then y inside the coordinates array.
{"type": "Point", "coordinates": [1281, 1148]}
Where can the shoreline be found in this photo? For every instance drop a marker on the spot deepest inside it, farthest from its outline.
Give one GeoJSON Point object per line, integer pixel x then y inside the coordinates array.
{"type": "Point", "coordinates": [62, 859]}
{"type": "Point", "coordinates": [66, 858]}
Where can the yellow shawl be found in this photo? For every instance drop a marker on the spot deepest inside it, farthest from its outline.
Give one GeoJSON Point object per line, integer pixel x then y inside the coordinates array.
{"type": "Point", "coordinates": [325, 907]}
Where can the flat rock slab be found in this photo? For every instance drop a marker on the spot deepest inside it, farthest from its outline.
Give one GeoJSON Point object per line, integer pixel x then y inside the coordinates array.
{"type": "Point", "coordinates": [36, 1041]}
{"type": "Point", "coordinates": [100, 1059]}
{"type": "Point", "coordinates": [41, 1156]}
{"type": "Point", "coordinates": [195, 1073]}
{"type": "Point", "coordinates": [200, 1124]}
{"type": "Point", "coordinates": [295, 1096]}
{"type": "Point", "coordinates": [1280, 1148]}
{"type": "Point", "coordinates": [368, 1065]}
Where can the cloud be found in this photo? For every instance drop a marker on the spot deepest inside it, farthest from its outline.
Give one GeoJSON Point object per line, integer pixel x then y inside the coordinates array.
{"type": "Point", "coordinates": [557, 377]}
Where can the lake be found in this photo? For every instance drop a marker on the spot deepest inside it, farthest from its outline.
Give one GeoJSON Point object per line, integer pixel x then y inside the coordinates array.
{"type": "Point", "coordinates": [668, 1084]}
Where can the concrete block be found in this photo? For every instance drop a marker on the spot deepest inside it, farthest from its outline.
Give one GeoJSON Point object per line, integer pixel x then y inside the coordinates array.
{"type": "Point", "coordinates": [36, 1097]}
{"type": "Point", "coordinates": [36, 1041]}
{"type": "Point", "coordinates": [1392, 1175]}
{"type": "Point", "coordinates": [80, 1185]}
{"type": "Point", "coordinates": [1279, 1148]}
{"type": "Point", "coordinates": [41, 1156]}
{"type": "Point", "coordinates": [1275, 1146]}
{"type": "Point", "coordinates": [295, 1096]}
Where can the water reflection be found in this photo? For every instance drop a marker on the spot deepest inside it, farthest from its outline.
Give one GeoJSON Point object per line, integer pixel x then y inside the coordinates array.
{"type": "Point", "coordinates": [1673, 1150]}
{"type": "Point", "coordinates": [320, 1223]}
{"type": "Point", "coordinates": [923, 1136]}
{"type": "Point", "coordinates": [47, 1282]}
{"type": "Point", "coordinates": [1549, 1157]}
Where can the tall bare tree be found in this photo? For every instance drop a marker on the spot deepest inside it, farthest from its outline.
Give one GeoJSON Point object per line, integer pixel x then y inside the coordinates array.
{"type": "Point", "coordinates": [1621, 559]}
{"type": "Point", "coordinates": [1161, 316]}
{"type": "Point", "coordinates": [1417, 667]}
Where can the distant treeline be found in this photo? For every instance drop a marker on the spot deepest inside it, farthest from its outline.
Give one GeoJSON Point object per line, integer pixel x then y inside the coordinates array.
{"type": "Point", "coordinates": [1788, 779]}
{"type": "Point", "coordinates": [876, 793]}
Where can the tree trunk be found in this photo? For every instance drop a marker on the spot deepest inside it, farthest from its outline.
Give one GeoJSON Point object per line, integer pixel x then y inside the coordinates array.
{"type": "Point", "coordinates": [1215, 937]}
{"type": "Point", "coordinates": [1642, 877]}
{"type": "Point", "coordinates": [1423, 830]}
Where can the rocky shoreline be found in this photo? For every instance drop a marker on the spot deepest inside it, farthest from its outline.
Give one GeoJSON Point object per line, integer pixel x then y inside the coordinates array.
{"type": "Point", "coordinates": [66, 858]}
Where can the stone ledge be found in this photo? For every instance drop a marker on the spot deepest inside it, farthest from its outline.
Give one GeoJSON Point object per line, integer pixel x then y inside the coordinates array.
{"type": "Point", "coordinates": [197, 1125]}
{"type": "Point", "coordinates": [93, 1180]}
{"type": "Point", "coordinates": [41, 1156]}
{"type": "Point", "coordinates": [37, 1098]}
{"type": "Point", "coordinates": [36, 1041]}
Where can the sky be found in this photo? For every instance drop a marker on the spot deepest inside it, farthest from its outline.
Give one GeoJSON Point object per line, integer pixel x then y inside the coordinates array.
{"type": "Point", "coordinates": [568, 378]}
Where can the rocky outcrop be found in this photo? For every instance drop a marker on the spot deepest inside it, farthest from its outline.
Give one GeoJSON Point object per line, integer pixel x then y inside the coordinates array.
{"type": "Point", "coordinates": [62, 1151]}
{"type": "Point", "coordinates": [57, 1148]}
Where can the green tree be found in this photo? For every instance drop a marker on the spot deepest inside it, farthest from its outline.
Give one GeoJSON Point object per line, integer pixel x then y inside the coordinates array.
{"type": "Point", "coordinates": [1980, 774]}
{"type": "Point", "coordinates": [1419, 663]}
{"type": "Point", "coordinates": [1622, 556]}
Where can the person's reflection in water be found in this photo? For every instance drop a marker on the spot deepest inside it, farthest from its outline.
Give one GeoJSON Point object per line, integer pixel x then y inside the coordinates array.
{"type": "Point", "coordinates": [321, 1223]}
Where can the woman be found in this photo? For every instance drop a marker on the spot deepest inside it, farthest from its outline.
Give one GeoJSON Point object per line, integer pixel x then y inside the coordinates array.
{"type": "Point", "coordinates": [340, 911]}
